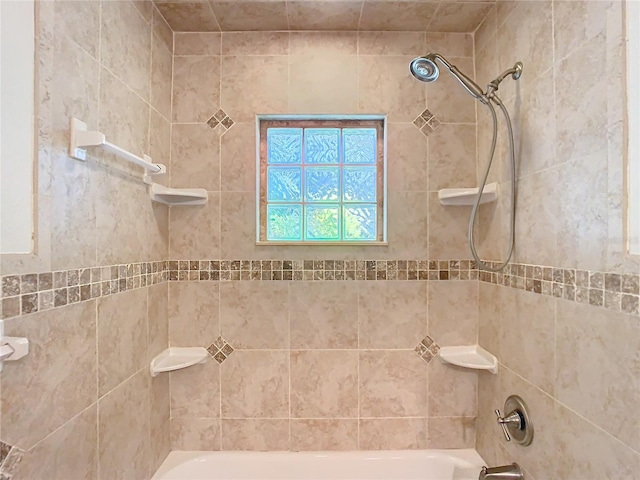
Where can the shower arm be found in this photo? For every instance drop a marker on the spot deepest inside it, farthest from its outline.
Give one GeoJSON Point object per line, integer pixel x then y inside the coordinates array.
{"type": "Point", "coordinates": [469, 85]}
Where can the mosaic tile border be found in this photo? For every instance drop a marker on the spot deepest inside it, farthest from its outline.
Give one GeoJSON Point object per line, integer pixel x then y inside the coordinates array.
{"type": "Point", "coordinates": [321, 270]}
{"type": "Point", "coordinates": [35, 292]}
{"type": "Point", "coordinates": [613, 291]}
{"type": "Point", "coordinates": [31, 293]}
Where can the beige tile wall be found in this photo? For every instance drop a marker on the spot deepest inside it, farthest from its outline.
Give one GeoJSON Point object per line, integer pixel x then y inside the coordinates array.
{"type": "Point", "coordinates": [82, 401]}
{"type": "Point", "coordinates": [576, 365]}
{"type": "Point", "coordinates": [319, 365]}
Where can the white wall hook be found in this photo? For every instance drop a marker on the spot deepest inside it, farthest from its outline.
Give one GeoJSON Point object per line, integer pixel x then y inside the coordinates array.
{"type": "Point", "coordinates": [12, 348]}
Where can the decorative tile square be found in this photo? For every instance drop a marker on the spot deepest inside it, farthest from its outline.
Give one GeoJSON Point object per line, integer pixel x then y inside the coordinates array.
{"type": "Point", "coordinates": [227, 122]}
{"type": "Point", "coordinates": [426, 115]}
{"type": "Point", "coordinates": [220, 350]}
{"type": "Point", "coordinates": [213, 122]}
{"type": "Point", "coordinates": [427, 349]}
{"type": "Point", "coordinates": [219, 115]}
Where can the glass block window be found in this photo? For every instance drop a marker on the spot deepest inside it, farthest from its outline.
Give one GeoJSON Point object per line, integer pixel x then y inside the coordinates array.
{"type": "Point", "coordinates": [321, 181]}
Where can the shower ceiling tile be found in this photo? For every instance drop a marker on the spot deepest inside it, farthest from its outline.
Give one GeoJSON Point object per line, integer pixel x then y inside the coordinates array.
{"type": "Point", "coordinates": [324, 15]}
{"type": "Point", "coordinates": [234, 15]}
{"type": "Point", "coordinates": [188, 16]}
{"type": "Point", "coordinates": [459, 16]}
{"type": "Point", "coordinates": [385, 15]}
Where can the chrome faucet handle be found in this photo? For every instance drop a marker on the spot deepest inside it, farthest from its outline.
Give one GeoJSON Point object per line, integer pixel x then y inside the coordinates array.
{"type": "Point", "coordinates": [503, 425]}
{"type": "Point", "coordinates": [513, 418]}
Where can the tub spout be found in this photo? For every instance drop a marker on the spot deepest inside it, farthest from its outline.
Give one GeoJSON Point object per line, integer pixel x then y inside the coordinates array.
{"type": "Point", "coordinates": [505, 472]}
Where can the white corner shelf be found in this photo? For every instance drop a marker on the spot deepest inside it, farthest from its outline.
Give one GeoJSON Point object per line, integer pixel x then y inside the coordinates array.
{"type": "Point", "coordinates": [469, 356]}
{"type": "Point", "coordinates": [467, 196]}
{"type": "Point", "coordinates": [176, 358]}
{"type": "Point", "coordinates": [177, 196]}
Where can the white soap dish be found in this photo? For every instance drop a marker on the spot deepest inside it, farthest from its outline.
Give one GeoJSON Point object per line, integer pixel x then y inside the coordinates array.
{"type": "Point", "coordinates": [469, 356]}
{"type": "Point", "coordinates": [467, 196]}
{"type": "Point", "coordinates": [175, 358]}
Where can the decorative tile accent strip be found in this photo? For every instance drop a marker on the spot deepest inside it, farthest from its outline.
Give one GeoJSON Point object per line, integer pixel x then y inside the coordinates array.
{"type": "Point", "coordinates": [30, 293]}
{"type": "Point", "coordinates": [613, 291]}
{"type": "Point", "coordinates": [220, 122]}
{"type": "Point", "coordinates": [220, 350]}
{"type": "Point", "coordinates": [10, 457]}
{"type": "Point", "coordinates": [321, 270]}
{"type": "Point", "coordinates": [426, 123]}
{"type": "Point", "coordinates": [427, 349]}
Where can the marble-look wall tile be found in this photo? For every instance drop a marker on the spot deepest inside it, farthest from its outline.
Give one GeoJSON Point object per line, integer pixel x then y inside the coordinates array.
{"type": "Point", "coordinates": [323, 84]}
{"type": "Point", "coordinates": [453, 312]}
{"type": "Point", "coordinates": [250, 15]}
{"type": "Point", "coordinates": [448, 102]}
{"type": "Point", "coordinates": [74, 93]}
{"type": "Point", "coordinates": [393, 433]}
{"type": "Point", "coordinates": [390, 43]}
{"type": "Point", "coordinates": [122, 339]}
{"type": "Point", "coordinates": [189, 16]}
{"type": "Point", "coordinates": [125, 45]}
{"type": "Point", "coordinates": [407, 158]}
{"type": "Point", "coordinates": [161, 72]}
{"type": "Point", "coordinates": [70, 452]}
{"type": "Point", "coordinates": [197, 43]}
{"type": "Point", "coordinates": [195, 157]}
{"type": "Point", "coordinates": [265, 435]}
{"type": "Point", "coordinates": [323, 315]}
{"type": "Point", "coordinates": [451, 432]}
{"type": "Point", "coordinates": [451, 154]}
{"type": "Point", "coordinates": [408, 218]}
{"type": "Point", "coordinates": [195, 391]}
{"type": "Point", "coordinates": [195, 434]}
{"type": "Point", "coordinates": [392, 384]}
{"type": "Point", "coordinates": [324, 384]}
{"type": "Point", "coordinates": [454, 44]}
{"type": "Point", "coordinates": [124, 116]}
{"type": "Point", "coordinates": [80, 21]}
{"type": "Point", "coordinates": [403, 15]}
{"type": "Point", "coordinates": [196, 88]}
{"type": "Point", "coordinates": [61, 365]}
{"type": "Point", "coordinates": [158, 320]}
{"type": "Point", "coordinates": [161, 28]}
{"type": "Point", "coordinates": [255, 384]}
{"type": "Point", "coordinates": [588, 452]}
{"type": "Point", "coordinates": [254, 315]}
{"type": "Point", "coordinates": [448, 229]}
{"type": "Point", "coordinates": [323, 43]}
{"type": "Point", "coordinates": [590, 377]}
{"type": "Point", "coordinates": [323, 15]}
{"type": "Point", "coordinates": [452, 391]}
{"type": "Point", "coordinates": [528, 336]}
{"type": "Point", "coordinates": [123, 426]}
{"type": "Point", "coordinates": [193, 314]}
{"type": "Point", "coordinates": [324, 435]}
{"type": "Point", "coordinates": [243, 96]}
{"type": "Point", "coordinates": [392, 315]}
{"type": "Point", "coordinates": [238, 159]}
{"type": "Point", "coordinates": [160, 421]}
{"type": "Point", "coordinates": [195, 231]}
{"type": "Point", "coordinates": [385, 87]}
{"type": "Point", "coordinates": [255, 43]}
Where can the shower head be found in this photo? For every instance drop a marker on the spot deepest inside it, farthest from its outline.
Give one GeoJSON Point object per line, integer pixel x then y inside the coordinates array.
{"type": "Point", "coordinates": [425, 69]}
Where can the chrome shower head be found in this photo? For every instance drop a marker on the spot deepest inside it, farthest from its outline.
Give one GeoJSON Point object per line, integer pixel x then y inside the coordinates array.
{"type": "Point", "coordinates": [424, 69]}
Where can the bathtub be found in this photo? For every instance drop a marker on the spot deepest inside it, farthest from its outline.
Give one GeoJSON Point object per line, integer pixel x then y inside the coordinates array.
{"type": "Point", "coordinates": [388, 465]}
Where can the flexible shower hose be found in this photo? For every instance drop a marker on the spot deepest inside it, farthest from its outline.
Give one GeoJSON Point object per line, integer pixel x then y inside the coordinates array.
{"type": "Point", "coordinates": [474, 212]}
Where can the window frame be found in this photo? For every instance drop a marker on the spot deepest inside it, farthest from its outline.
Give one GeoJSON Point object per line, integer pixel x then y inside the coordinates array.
{"type": "Point", "coordinates": [320, 121]}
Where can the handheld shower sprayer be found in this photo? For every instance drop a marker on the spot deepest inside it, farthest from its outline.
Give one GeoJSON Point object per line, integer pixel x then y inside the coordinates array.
{"type": "Point", "coordinates": [426, 69]}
